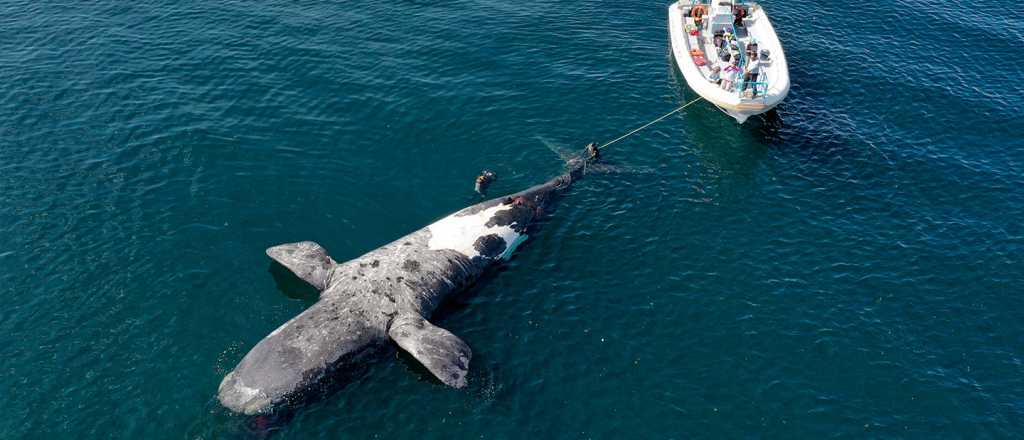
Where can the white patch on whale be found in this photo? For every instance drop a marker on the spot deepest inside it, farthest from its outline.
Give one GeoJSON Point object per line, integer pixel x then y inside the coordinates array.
{"type": "Point", "coordinates": [459, 233]}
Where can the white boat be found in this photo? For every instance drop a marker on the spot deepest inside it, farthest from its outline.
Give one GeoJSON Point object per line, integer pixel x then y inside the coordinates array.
{"type": "Point", "coordinates": [763, 78]}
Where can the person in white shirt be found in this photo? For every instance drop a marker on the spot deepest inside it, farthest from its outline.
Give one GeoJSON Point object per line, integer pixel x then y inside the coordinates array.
{"type": "Point", "coordinates": [751, 72]}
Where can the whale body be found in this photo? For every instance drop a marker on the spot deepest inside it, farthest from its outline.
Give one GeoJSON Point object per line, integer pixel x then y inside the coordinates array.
{"type": "Point", "coordinates": [384, 299]}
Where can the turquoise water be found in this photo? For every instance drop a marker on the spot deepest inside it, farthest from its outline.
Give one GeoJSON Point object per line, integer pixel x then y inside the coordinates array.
{"type": "Point", "coordinates": [847, 267]}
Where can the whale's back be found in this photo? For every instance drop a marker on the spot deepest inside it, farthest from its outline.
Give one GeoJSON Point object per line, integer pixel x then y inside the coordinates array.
{"type": "Point", "coordinates": [416, 272]}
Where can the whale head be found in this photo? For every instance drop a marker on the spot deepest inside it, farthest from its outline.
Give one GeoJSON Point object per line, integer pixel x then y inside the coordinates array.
{"type": "Point", "coordinates": [303, 357]}
{"type": "Point", "coordinates": [242, 399]}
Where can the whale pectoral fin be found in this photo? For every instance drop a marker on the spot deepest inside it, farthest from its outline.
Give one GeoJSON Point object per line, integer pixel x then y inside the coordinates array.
{"type": "Point", "coordinates": [443, 353]}
{"type": "Point", "coordinates": [306, 259]}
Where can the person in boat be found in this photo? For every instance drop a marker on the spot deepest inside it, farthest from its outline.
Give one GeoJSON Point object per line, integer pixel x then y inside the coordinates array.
{"type": "Point", "coordinates": [593, 152]}
{"type": "Point", "coordinates": [739, 15]}
{"type": "Point", "coordinates": [734, 51]}
{"type": "Point", "coordinates": [718, 38]}
{"type": "Point", "coordinates": [722, 46]}
{"type": "Point", "coordinates": [484, 180]}
{"type": "Point", "coordinates": [729, 74]}
{"type": "Point", "coordinates": [751, 50]}
{"type": "Point", "coordinates": [751, 71]}
{"type": "Point", "coordinates": [716, 75]}
{"type": "Point", "coordinates": [698, 15]}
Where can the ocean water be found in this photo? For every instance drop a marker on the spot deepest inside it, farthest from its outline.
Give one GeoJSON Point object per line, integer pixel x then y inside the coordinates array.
{"type": "Point", "coordinates": [849, 266]}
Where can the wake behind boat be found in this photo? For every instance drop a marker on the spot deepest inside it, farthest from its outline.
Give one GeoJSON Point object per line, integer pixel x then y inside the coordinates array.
{"type": "Point", "coordinates": [729, 54]}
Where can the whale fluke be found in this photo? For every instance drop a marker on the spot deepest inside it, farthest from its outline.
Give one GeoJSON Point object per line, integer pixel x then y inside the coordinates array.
{"type": "Point", "coordinates": [443, 353]}
{"type": "Point", "coordinates": [307, 259]}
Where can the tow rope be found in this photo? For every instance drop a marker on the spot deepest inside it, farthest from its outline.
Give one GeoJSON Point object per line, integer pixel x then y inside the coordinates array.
{"type": "Point", "coordinates": [650, 123]}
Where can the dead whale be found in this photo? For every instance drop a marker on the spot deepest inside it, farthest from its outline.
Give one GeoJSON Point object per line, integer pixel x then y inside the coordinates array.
{"type": "Point", "coordinates": [385, 298]}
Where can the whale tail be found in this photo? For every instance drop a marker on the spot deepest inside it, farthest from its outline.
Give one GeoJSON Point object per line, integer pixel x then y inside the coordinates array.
{"type": "Point", "coordinates": [561, 151]}
{"type": "Point", "coordinates": [578, 159]}
{"type": "Point", "coordinates": [307, 260]}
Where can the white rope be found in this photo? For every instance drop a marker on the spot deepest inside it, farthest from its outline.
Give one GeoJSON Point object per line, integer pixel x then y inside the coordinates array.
{"type": "Point", "coordinates": [650, 123]}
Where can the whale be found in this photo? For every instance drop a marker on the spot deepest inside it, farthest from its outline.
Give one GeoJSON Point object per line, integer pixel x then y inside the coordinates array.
{"type": "Point", "coordinates": [383, 301]}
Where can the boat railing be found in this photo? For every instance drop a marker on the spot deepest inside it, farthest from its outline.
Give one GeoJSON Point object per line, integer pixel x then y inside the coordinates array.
{"type": "Point", "coordinates": [760, 87]}
{"type": "Point", "coordinates": [742, 57]}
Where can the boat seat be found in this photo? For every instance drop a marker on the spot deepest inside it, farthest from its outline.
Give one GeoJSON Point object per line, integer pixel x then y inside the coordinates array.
{"type": "Point", "coordinates": [695, 43]}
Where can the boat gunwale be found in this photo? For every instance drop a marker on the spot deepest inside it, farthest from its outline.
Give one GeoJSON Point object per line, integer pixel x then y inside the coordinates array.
{"type": "Point", "coordinates": [726, 100]}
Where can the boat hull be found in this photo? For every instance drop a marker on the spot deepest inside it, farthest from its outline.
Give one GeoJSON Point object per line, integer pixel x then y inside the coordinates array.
{"type": "Point", "coordinates": [731, 102]}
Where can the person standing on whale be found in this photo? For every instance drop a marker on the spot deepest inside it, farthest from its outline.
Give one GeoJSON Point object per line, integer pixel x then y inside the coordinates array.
{"type": "Point", "coordinates": [384, 299]}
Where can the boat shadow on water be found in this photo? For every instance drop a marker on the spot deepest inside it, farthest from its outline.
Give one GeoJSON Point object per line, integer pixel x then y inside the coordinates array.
{"type": "Point", "coordinates": [766, 128]}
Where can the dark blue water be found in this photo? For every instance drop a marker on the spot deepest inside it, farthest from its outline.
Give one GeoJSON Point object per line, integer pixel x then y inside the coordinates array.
{"type": "Point", "coordinates": [848, 267]}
